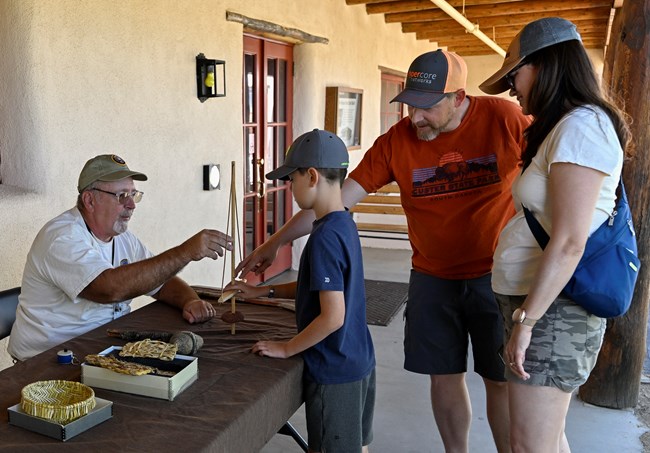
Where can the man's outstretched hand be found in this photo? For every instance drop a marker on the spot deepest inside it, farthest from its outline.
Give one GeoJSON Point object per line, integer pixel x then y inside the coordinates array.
{"type": "Point", "coordinates": [258, 261]}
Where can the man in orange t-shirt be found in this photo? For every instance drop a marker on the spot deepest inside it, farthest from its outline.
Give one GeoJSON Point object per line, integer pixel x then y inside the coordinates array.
{"type": "Point", "coordinates": [454, 159]}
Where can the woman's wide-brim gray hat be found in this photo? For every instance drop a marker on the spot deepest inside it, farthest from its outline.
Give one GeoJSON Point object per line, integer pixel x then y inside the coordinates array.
{"type": "Point", "coordinates": [533, 37]}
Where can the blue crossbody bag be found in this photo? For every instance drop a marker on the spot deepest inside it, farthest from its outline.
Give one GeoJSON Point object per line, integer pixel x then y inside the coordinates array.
{"type": "Point", "coordinates": [603, 283]}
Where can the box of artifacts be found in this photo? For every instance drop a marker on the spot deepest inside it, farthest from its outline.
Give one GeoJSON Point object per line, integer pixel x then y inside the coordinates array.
{"type": "Point", "coordinates": [153, 377]}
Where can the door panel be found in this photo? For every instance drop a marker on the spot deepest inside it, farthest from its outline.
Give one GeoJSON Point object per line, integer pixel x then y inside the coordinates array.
{"type": "Point", "coordinates": [268, 100]}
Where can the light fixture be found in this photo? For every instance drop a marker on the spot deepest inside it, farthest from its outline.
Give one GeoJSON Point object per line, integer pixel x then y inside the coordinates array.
{"type": "Point", "coordinates": [211, 177]}
{"type": "Point", "coordinates": [210, 78]}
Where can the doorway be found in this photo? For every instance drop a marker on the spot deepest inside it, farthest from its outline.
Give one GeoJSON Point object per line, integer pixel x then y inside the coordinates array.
{"type": "Point", "coordinates": [267, 123]}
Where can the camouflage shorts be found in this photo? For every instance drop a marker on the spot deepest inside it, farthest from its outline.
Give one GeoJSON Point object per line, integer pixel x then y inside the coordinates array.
{"type": "Point", "coordinates": [564, 345]}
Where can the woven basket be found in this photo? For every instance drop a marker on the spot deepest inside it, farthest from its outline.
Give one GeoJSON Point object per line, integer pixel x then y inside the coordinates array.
{"type": "Point", "coordinates": [58, 401]}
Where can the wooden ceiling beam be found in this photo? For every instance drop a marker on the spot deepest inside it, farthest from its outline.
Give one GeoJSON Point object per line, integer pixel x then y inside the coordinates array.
{"type": "Point", "coordinates": [460, 49]}
{"type": "Point", "coordinates": [504, 43]}
{"type": "Point", "coordinates": [500, 35]}
{"type": "Point", "coordinates": [405, 6]}
{"type": "Point", "coordinates": [476, 52]}
{"type": "Point", "coordinates": [362, 2]}
{"type": "Point", "coordinates": [398, 7]}
{"type": "Point", "coordinates": [408, 11]}
{"type": "Point", "coordinates": [436, 29]}
{"type": "Point", "coordinates": [458, 4]}
{"type": "Point", "coordinates": [504, 13]}
{"type": "Point", "coordinates": [457, 43]}
{"type": "Point", "coordinates": [520, 20]}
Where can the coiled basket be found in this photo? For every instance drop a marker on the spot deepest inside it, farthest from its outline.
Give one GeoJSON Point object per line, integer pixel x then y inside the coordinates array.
{"type": "Point", "coordinates": [58, 401]}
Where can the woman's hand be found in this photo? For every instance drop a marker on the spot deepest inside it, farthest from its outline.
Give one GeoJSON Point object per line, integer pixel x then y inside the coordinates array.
{"type": "Point", "coordinates": [516, 349]}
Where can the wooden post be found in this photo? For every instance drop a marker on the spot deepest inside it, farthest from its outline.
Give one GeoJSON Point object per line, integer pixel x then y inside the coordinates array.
{"type": "Point", "coordinates": [615, 381]}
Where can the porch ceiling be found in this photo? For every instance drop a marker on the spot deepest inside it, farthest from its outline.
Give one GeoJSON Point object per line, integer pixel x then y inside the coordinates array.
{"type": "Point", "coordinates": [500, 20]}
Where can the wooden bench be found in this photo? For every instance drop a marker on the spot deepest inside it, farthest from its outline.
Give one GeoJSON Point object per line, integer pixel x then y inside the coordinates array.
{"type": "Point", "coordinates": [386, 201]}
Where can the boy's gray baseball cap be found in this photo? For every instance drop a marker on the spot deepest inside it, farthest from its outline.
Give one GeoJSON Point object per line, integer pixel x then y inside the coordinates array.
{"type": "Point", "coordinates": [318, 149]}
{"type": "Point", "coordinates": [106, 167]}
{"type": "Point", "coordinates": [533, 37]}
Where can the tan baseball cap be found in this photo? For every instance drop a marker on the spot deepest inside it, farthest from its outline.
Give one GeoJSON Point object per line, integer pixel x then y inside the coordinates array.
{"type": "Point", "coordinates": [431, 76]}
{"type": "Point", "coordinates": [106, 167]}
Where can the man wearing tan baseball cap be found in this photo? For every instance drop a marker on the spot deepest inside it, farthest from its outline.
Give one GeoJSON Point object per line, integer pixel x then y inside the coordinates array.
{"type": "Point", "coordinates": [85, 267]}
{"type": "Point", "coordinates": [106, 167]}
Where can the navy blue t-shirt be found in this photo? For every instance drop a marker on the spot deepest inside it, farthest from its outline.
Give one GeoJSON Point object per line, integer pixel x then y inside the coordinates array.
{"type": "Point", "coordinates": [331, 261]}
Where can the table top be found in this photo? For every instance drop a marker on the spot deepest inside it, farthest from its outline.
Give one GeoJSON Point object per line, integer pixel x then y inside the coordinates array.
{"type": "Point", "coordinates": [238, 403]}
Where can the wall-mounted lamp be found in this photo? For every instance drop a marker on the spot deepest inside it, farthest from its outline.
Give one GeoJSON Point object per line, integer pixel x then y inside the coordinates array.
{"type": "Point", "coordinates": [210, 78]}
{"type": "Point", "coordinates": [211, 177]}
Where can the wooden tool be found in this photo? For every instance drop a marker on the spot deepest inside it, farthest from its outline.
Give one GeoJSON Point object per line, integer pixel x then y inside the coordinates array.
{"type": "Point", "coordinates": [227, 295]}
{"type": "Point", "coordinates": [233, 317]}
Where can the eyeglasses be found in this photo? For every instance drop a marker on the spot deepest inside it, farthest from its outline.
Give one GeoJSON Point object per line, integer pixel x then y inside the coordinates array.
{"type": "Point", "coordinates": [122, 197]}
{"type": "Point", "coordinates": [510, 77]}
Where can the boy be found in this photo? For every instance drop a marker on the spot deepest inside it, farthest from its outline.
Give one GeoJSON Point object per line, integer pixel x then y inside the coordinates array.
{"type": "Point", "coordinates": [333, 337]}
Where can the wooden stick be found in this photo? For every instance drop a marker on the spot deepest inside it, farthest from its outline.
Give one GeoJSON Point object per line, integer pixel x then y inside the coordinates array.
{"type": "Point", "coordinates": [233, 229]}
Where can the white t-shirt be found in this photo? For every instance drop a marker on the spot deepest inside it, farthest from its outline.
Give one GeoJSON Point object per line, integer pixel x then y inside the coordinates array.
{"type": "Point", "coordinates": [65, 258]}
{"type": "Point", "coordinates": [585, 137]}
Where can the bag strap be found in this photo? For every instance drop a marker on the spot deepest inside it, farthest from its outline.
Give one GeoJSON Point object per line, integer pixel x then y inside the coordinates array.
{"type": "Point", "coordinates": [536, 228]}
{"type": "Point", "coordinates": [542, 236]}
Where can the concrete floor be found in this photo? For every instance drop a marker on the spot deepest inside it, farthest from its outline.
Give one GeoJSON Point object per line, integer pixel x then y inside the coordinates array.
{"type": "Point", "coordinates": [403, 417]}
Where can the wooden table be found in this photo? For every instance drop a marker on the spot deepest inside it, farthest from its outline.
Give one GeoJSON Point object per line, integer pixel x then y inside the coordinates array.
{"type": "Point", "coordinates": [238, 403]}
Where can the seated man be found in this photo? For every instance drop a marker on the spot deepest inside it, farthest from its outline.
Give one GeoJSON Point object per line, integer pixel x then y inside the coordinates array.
{"type": "Point", "coordinates": [84, 267]}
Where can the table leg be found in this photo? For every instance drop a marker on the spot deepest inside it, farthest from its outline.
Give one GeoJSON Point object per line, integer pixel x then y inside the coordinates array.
{"type": "Point", "coordinates": [289, 430]}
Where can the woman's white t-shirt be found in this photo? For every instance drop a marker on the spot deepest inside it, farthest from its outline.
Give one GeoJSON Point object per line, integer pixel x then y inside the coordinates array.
{"type": "Point", "coordinates": [586, 137]}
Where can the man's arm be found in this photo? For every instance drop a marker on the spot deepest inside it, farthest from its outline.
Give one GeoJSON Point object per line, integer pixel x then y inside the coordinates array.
{"type": "Point", "coordinates": [299, 225]}
{"type": "Point", "coordinates": [177, 293]}
{"type": "Point", "coordinates": [135, 279]}
{"type": "Point", "coordinates": [246, 291]}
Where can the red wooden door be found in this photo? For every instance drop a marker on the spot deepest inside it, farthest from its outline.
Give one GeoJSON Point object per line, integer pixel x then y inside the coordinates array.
{"type": "Point", "coordinates": [268, 101]}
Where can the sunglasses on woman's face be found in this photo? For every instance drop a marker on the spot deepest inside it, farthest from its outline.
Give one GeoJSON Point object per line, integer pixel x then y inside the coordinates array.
{"type": "Point", "coordinates": [510, 77]}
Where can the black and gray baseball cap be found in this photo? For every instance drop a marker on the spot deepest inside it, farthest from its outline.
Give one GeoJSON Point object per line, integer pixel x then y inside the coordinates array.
{"type": "Point", "coordinates": [318, 149]}
{"type": "Point", "coordinates": [533, 37]}
{"type": "Point", "coordinates": [431, 76]}
{"type": "Point", "coordinates": [106, 167]}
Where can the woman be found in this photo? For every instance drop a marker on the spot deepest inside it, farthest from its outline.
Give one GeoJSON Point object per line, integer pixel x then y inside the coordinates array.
{"type": "Point", "coordinates": [572, 165]}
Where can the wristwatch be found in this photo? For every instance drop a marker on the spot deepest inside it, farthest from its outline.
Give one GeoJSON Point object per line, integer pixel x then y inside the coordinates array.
{"type": "Point", "coordinates": [519, 316]}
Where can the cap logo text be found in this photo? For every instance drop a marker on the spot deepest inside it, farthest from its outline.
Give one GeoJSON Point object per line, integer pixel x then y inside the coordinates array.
{"type": "Point", "coordinates": [422, 77]}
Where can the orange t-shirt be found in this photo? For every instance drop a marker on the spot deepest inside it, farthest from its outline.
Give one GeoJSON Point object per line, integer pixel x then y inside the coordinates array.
{"type": "Point", "coordinates": [455, 189]}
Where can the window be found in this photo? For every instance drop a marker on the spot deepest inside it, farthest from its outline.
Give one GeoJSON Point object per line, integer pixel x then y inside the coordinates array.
{"type": "Point", "coordinates": [391, 85]}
